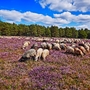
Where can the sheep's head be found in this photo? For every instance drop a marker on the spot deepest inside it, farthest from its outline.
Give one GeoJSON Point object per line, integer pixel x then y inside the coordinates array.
{"type": "Point", "coordinates": [22, 59]}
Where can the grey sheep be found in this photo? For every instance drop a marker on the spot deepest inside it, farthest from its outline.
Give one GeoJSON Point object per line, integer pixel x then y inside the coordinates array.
{"type": "Point", "coordinates": [30, 54]}
{"type": "Point", "coordinates": [44, 45]}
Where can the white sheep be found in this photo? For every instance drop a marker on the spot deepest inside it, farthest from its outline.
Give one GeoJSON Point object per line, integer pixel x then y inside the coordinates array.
{"type": "Point", "coordinates": [77, 51]}
{"type": "Point", "coordinates": [69, 49]}
{"type": "Point", "coordinates": [39, 53]}
{"type": "Point", "coordinates": [30, 54]}
{"type": "Point", "coordinates": [25, 44]}
{"type": "Point", "coordinates": [49, 46]}
{"type": "Point", "coordinates": [87, 47]}
{"type": "Point", "coordinates": [82, 49]}
{"type": "Point", "coordinates": [63, 46]}
{"type": "Point", "coordinates": [57, 40]}
{"type": "Point", "coordinates": [87, 43]}
{"type": "Point", "coordinates": [44, 45]}
{"type": "Point", "coordinates": [45, 53]}
{"type": "Point", "coordinates": [56, 46]}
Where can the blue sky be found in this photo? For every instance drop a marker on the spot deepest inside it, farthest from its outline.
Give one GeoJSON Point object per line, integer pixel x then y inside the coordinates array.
{"type": "Point", "coordinates": [62, 13]}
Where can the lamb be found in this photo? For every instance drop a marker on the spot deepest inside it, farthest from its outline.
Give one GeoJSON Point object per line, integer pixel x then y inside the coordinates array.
{"type": "Point", "coordinates": [39, 53]}
{"type": "Point", "coordinates": [26, 44]}
{"type": "Point", "coordinates": [30, 54]}
{"type": "Point", "coordinates": [45, 53]}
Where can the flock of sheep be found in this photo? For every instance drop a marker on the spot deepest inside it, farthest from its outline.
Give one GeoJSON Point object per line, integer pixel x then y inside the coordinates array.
{"type": "Point", "coordinates": [70, 46]}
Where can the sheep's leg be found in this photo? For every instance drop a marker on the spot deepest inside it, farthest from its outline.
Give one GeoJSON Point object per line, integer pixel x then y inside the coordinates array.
{"type": "Point", "coordinates": [36, 58]}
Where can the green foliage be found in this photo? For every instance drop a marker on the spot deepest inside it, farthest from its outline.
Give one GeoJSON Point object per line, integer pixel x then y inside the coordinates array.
{"type": "Point", "coordinates": [7, 29]}
{"type": "Point", "coordinates": [87, 32]}
{"type": "Point", "coordinates": [33, 30]}
{"type": "Point", "coordinates": [47, 32]}
{"type": "Point", "coordinates": [88, 35]}
{"type": "Point", "coordinates": [14, 29]}
{"type": "Point", "coordinates": [74, 32]}
{"type": "Point", "coordinates": [54, 31]}
{"type": "Point", "coordinates": [61, 32]}
{"type": "Point", "coordinates": [40, 30]}
{"type": "Point", "coordinates": [82, 34]}
{"type": "Point", "coordinates": [68, 32]}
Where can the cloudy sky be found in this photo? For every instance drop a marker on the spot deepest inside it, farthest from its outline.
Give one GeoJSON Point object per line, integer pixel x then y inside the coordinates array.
{"type": "Point", "coordinates": [62, 13]}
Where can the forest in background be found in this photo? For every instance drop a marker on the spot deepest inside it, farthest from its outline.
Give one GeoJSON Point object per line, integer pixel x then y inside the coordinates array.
{"type": "Point", "coordinates": [8, 29]}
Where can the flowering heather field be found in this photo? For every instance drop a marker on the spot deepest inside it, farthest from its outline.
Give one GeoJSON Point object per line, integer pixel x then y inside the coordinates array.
{"type": "Point", "coordinates": [60, 71]}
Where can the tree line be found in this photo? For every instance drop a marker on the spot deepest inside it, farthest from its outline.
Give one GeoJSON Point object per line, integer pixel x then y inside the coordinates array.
{"type": "Point", "coordinates": [7, 29]}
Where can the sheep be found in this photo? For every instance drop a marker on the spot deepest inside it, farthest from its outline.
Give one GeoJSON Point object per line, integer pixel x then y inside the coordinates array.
{"type": "Point", "coordinates": [63, 46]}
{"type": "Point", "coordinates": [25, 44]}
{"type": "Point", "coordinates": [69, 49]}
{"type": "Point", "coordinates": [73, 44]}
{"type": "Point", "coordinates": [39, 39]}
{"type": "Point", "coordinates": [77, 51]}
{"type": "Point", "coordinates": [56, 46]}
{"type": "Point", "coordinates": [45, 53]}
{"type": "Point", "coordinates": [82, 49]}
{"type": "Point", "coordinates": [30, 54]}
{"type": "Point", "coordinates": [44, 45]}
{"type": "Point", "coordinates": [39, 53]}
{"type": "Point", "coordinates": [49, 46]}
{"type": "Point", "coordinates": [87, 43]}
{"type": "Point", "coordinates": [57, 41]}
{"type": "Point", "coordinates": [35, 46]}
{"type": "Point", "coordinates": [86, 46]}
{"type": "Point", "coordinates": [81, 44]}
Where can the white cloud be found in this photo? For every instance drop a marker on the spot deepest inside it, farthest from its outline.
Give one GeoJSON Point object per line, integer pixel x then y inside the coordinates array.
{"type": "Point", "coordinates": [65, 15]}
{"type": "Point", "coordinates": [68, 5]}
{"type": "Point", "coordinates": [61, 19]}
{"type": "Point", "coordinates": [83, 18]}
{"type": "Point", "coordinates": [83, 5]}
{"type": "Point", "coordinates": [81, 26]}
{"type": "Point", "coordinates": [73, 18]}
{"type": "Point", "coordinates": [15, 16]}
{"type": "Point", "coordinates": [57, 5]}
{"type": "Point", "coordinates": [34, 17]}
{"type": "Point", "coordinates": [11, 15]}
